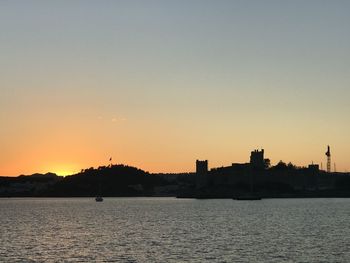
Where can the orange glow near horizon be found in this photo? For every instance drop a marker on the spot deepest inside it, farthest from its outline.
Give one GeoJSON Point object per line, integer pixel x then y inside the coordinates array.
{"type": "Point", "coordinates": [159, 84]}
{"type": "Point", "coordinates": [158, 161]}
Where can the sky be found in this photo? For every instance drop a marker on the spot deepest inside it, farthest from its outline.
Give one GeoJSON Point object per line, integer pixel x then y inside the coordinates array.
{"type": "Point", "coordinates": [159, 84]}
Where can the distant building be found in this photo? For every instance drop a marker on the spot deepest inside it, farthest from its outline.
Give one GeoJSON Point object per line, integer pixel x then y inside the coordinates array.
{"type": "Point", "coordinates": [314, 167]}
{"type": "Point", "coordinates": [201, 173]}
{"type": "Point", "coordinates": [257, 159]}
{"type": "Point", "coordinates": [201, 167]}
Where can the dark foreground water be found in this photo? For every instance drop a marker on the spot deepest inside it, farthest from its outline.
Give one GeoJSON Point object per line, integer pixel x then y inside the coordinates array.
{"type": "Point", "coordinates": [174, 230]}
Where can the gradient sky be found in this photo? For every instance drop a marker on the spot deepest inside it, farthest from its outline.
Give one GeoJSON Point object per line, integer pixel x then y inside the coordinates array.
{"type": "Point", "coordinates": [159, 84]}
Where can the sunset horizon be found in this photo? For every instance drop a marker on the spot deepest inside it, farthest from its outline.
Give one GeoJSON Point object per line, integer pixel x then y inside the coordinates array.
{"type": "Point", "coordinates": [175, 131]}
{"type": "Point", "coordinates": [71, 169]}
{"type": "Point", "coordinates": [159, 84]}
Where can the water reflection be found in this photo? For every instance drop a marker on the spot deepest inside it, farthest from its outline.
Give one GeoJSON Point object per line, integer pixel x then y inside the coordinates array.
{"type": "Point", "coordinates": [174, 230]}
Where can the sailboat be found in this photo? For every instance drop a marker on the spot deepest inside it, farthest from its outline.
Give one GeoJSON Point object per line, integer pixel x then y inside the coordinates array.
{"type": "Point", "coordinates": [99, 197]}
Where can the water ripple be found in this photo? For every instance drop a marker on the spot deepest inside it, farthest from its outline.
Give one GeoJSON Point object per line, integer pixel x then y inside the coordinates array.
{"type": "Point", "coordinates": [140, 230]}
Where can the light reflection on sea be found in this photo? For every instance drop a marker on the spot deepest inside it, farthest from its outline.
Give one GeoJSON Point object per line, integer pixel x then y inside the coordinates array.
{"type": "Point", "coordinates": [174, 230]}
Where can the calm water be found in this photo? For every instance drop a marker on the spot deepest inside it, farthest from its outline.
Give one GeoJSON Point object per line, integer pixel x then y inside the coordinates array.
{"type": "Point", "coordinates": [174, 230]}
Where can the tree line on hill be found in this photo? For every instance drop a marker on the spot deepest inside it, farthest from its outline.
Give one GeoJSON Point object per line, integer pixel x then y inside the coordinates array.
{"type": "Point", "coordinates": [122, 180]}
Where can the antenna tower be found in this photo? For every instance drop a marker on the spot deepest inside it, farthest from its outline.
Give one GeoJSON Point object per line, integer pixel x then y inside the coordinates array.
{"type": "Point", "coordinates": [328, 154]}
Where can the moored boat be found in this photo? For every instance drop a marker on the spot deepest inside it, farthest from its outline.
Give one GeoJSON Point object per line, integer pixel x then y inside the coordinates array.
{"type": "Point", "coordinates": [248, 197]}
{"type": "Point", "coordinates": [99, 198]}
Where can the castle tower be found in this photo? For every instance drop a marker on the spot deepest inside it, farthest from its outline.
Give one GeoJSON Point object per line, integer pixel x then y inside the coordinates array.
{"type": "Point", "coordinates": [201, 173]}
{"type": "Point", "coordinates": [257, 159]}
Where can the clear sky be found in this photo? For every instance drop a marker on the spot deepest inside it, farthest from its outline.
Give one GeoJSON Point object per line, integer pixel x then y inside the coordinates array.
{"type": "Point", "coordinates": [159, 84]}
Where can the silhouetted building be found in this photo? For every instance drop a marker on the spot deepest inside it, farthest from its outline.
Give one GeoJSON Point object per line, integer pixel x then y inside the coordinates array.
{"type": "Point", "coordinates": [314, 167]}
{"type": "Point", "coordinates": [257, 159]}
{"type": "Point", "coordinates": [201, 167]}
{"type": "Point", "coordinates": [201, 173]}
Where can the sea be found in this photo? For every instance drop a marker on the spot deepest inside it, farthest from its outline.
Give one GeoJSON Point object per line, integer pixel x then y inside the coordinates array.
{"type": "Point", "coordinates": [174, 230]}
